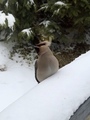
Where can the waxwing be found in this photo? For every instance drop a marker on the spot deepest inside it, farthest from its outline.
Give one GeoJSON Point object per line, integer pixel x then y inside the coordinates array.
{"type": "Point", "coordinates": [46, 64]}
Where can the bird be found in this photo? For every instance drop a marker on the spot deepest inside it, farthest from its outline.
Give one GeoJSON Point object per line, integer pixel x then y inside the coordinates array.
{"type": "Point", "coordinates": [46, 64]}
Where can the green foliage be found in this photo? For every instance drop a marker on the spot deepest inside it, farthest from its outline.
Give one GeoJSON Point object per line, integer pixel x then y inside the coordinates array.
{"type": "Point", "coordinates": [73, 14]}
{"type": "Point", "coordinates": [4, 25]}
{"type": "Point", "coordinates": [23, 11]}
{"type": "Point", "coordinates": [73, 17]}
{"type": "Point", "coordinates": [24, 35]}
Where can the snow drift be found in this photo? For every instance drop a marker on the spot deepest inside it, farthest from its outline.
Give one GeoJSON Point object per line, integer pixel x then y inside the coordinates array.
{"type": "Point", "coordinates": [57, 97]}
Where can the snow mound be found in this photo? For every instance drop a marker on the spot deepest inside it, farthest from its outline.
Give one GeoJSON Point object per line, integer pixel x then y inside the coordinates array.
{"type": "Point", "coordinates": [56, 98]}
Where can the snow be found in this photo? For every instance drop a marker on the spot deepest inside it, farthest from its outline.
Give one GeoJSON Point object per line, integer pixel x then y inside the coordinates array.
{"type": "Point", "coordinates": [2, 18]}
{"type": "Point", "coordinates": [28, 31]}
{"type": "Point", "coordinates": [6, 4]}
{"type": "Point", "coordinates": [45, 23]}
{"type": "Point", "coordinates": [59, 3]}
{"type": "Point", "coordinates": [17, 5]}
{"type": "Point", "coordinates": [10, 18]}
{"type": "Point", "coordinates": [44, 7]}
{"type": "Point", "coordinates": [32, 2]}
{"type": "Point", "coordinates": [56, 98]}
{"type": "Point", "coordinates": [16, 79]}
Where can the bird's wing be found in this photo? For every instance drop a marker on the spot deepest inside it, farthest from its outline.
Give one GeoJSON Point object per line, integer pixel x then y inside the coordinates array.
{"type": "Point", "coordinates": [36, 71]}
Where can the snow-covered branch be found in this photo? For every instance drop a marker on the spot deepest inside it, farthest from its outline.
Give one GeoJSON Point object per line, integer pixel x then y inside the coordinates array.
{"type": "Point", "coordinates": [59, 3]}
{"type": "Point", "coordinates": [10, 19]}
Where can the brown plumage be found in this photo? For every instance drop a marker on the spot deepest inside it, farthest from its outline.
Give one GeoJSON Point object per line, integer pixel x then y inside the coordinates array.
{"type": "Point", "coordinates": [46, 64]}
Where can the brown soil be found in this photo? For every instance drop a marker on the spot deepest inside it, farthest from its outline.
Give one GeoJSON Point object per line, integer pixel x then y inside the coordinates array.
{"type": "Point", "coordinates": [66, 57]}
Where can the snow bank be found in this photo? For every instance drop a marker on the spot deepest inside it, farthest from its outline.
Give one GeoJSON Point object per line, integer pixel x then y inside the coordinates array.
{"type": "Point", "coordinates": [57, 97]}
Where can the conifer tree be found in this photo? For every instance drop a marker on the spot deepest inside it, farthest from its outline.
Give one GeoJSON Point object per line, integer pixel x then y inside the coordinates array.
{"type": "Point", "coordinates": [63, 21]}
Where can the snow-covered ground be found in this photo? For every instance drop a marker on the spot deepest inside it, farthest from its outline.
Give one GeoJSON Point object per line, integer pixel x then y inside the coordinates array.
{"type": "Point", "coordinates": [16, 79]}
{"type": "Point", "coordinates": [56, 98]}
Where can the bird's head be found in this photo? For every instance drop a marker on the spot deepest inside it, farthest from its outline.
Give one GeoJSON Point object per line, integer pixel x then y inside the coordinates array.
{"type": "Point", "coordinates": [42, 46]}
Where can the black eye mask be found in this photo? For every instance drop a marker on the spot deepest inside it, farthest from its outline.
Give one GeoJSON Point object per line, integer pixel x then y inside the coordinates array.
{"type": "Point", "coordinates": [37, 46]}
{"type": "Point", "coordinates": [41, 44]}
